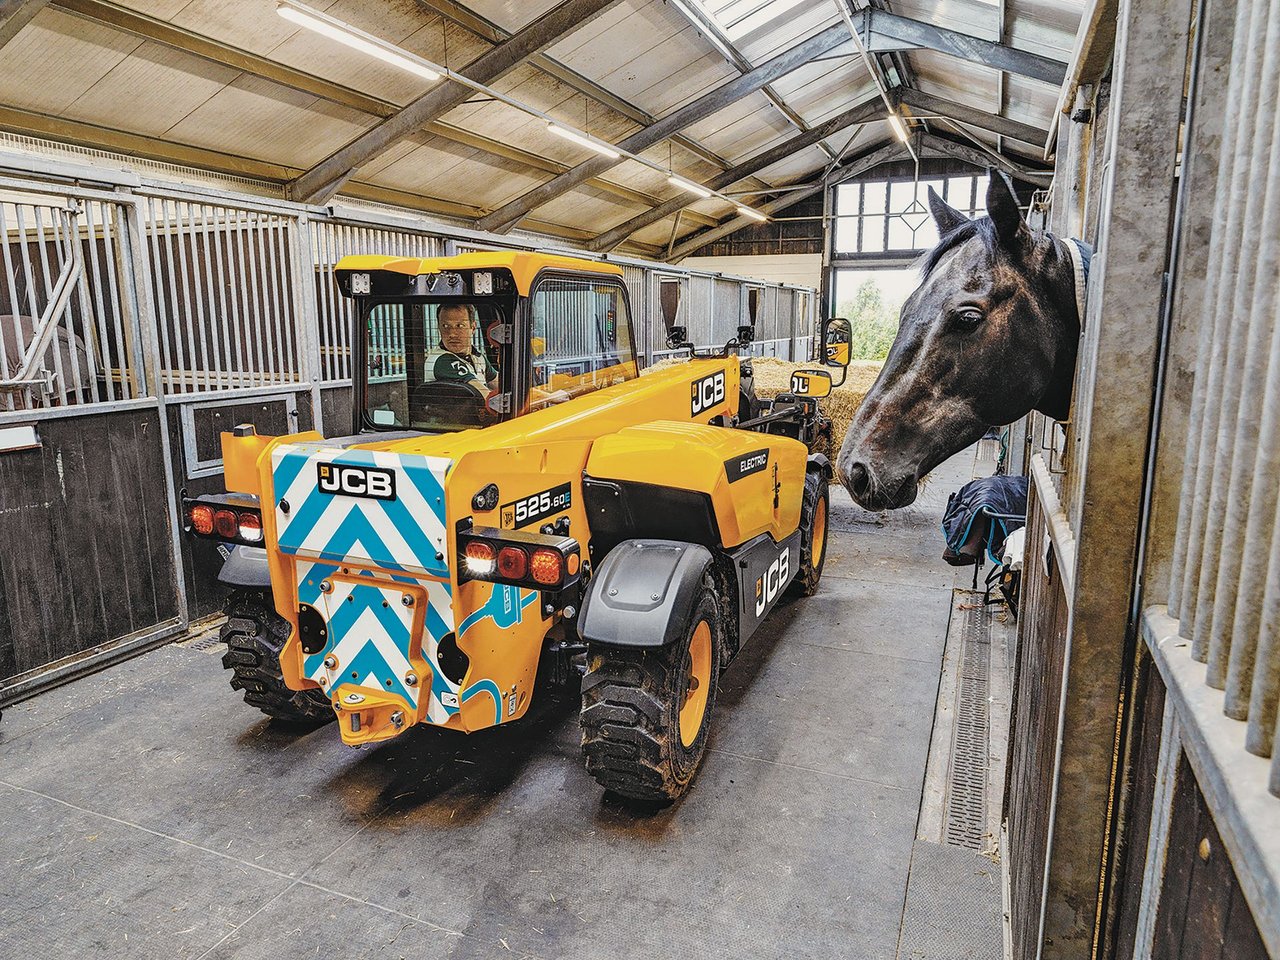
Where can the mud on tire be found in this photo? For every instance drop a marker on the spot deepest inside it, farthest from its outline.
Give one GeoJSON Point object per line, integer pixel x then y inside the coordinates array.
{"type": "Point", "coordinates": [255, 634]}
{"type": "Point", "coordinates": [631, 709]}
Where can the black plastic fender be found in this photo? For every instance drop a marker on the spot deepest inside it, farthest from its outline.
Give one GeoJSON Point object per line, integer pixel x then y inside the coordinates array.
{"type": "Point", "coordinates": [643, 593]}
{"type": "Point", "coordinates": [246, 567]}
{"type": "Point", "coordinates": [819, 461]}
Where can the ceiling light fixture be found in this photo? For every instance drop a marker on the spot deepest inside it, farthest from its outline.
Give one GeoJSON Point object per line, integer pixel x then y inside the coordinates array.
{"type": "Point", "coordinates": [356, 39]}
{"type": "Point", "coordinates": [899, 128]}
{"type": "Point", "coordinates": [695, 188]}
{"type": "Point", "coordinates": [753, 214]}
{"type": "Point", "coordinates": [584, 141]}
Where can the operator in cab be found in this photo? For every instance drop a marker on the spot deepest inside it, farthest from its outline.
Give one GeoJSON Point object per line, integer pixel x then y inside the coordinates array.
{"type": "Point", "coordinates": [456, 358]}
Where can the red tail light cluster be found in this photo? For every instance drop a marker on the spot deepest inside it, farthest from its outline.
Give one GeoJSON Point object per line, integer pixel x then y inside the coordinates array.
{"type": "Point", "coordinates": [534, 560]}
{"type": "Point", "coordinates": [231, 518]}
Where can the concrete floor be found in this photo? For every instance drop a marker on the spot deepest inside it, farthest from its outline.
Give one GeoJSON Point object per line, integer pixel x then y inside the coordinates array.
{"type": "Point", "coordinates": [150, 814]}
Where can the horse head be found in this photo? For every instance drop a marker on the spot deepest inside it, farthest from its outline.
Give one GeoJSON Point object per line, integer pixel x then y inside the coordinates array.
{"type": "Point", "coordinates": [989, 335]}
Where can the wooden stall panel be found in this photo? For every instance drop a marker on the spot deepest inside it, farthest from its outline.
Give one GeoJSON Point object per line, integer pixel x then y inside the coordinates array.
{"type": "Point", "coordinates": [1033, 733]}
{"type": "Point", "coordinates": [84, 520]}
{"type": "Point", "coordinates": [1203, 914]}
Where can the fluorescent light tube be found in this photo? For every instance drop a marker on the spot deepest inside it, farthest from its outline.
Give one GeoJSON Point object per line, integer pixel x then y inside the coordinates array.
{"type": "Point", "coordinates": [583, 140]}
{"type": "Point", "coordinates": [693, 188]}
{"type": "Point", "coordinates": [355, 39]}
{"type": "Point", "coordinates": [753, 214]}
{"type": "Point", "coordinates": [898, 128]}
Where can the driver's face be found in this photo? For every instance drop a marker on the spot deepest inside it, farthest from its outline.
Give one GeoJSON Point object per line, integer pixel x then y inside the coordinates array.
{"type": "Point", "coordinates": [456, 329]}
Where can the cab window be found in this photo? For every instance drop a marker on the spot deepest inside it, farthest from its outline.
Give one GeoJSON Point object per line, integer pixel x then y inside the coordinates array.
{"type": "Point", "coordinates": [581, 339]}
{"type": "Point", "coordinates": [431, 365]}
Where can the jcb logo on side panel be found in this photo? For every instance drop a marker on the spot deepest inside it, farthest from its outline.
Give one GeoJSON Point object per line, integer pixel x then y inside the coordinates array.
{"type": "Point", "coordinates": [707, 393]}
{"type": "Point", "coordinates": [774, 579]}
{"type": "Point", "coordinates": [351, 481]}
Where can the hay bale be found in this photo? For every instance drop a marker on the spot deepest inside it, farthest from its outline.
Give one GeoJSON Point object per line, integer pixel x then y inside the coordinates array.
{"type": "Point", "coordinates": [773, 376]}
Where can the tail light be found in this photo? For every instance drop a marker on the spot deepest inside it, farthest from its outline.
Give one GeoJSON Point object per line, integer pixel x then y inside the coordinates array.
{"type": "Point", "coordinates": [228, 517]}
{"type": "Point", "coordinates": [513, 563]}
{"type": "Point", "coordinates": [547, 566]}
{"type": "Point", "coordinates": [538, 561]}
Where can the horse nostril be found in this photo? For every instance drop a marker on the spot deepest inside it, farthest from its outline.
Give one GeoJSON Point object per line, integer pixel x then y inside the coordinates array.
{"type": "Point", "coordinates": [859, 480]}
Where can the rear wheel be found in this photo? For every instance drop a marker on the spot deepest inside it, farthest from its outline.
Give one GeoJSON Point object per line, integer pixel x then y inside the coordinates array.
{"type": "Point", "coordinates": [813, 533]}
{"type": "Point", "coordinates": [255, 634]}
{"type": "Point", "coordinates": [646, 713]}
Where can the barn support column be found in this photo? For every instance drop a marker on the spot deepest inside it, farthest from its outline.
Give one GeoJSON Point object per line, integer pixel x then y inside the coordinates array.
{"type": "Point", "coordinates": [1115, 377]}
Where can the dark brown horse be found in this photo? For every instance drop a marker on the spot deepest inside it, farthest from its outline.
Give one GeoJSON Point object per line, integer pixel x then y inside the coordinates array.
{"type": "Point", "coordinates": [989, 335]}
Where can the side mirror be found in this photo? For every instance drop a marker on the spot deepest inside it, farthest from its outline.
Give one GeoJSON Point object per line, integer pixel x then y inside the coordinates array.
{"type": "Point", "coordinates": [837, 335]}
{"type": "Point", "coordinates": [811, 384]}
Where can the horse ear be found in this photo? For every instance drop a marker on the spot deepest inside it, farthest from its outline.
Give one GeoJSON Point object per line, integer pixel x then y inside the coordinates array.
{"type": "Point", "coordinates": [1002, 208]}
{"type": "Point", "coordinates": [945, 216]}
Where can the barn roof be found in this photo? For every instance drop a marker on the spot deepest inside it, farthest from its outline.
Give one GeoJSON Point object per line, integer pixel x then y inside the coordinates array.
{"type": "Point", "coordinates": [747, 96]}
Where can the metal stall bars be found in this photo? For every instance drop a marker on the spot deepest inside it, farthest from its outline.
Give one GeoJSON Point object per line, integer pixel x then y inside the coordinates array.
{"type": "Point", "coordinates": [333, 238]}
{"type": "Point", "coordinates": [230, 300]}
{"type": "Point", "coordinates": [65, 335]}
{"type": "Point", "coordinates": [1224, 589]}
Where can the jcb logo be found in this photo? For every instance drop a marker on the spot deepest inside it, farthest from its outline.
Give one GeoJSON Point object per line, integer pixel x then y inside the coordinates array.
{"type": "Point", "coordinates": [774, 579]}
{"type": "Point", "coordinates": [707, 392]}
{"type": "Point", "coordinates": [350, 481]}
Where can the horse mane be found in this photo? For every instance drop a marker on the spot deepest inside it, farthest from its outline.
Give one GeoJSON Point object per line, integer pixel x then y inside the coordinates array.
{"type": "Point", "coordinates": [979, 227]}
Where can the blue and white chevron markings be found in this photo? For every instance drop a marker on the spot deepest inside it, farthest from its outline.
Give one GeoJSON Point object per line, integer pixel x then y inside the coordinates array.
{"type": "Point", "coordinates": [405, 533]}
{"type": "Point", "coordinates": [370, 629]}
{"type": "Point", "coordinates": [371, 636]}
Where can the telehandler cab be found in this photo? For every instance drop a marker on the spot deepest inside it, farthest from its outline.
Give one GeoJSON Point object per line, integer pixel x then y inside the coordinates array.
{"type": "Point", "coordinates": [516, 503]}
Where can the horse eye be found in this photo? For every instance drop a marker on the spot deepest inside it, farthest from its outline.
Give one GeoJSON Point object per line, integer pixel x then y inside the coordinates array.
{"type": "Point", "coordinates": [969, 317]}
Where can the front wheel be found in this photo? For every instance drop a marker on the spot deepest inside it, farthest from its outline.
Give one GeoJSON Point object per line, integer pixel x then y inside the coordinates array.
{"type": "Point", "coordinates": [646, 713]}
{"type": "Point", "coordinates": [813, 533]}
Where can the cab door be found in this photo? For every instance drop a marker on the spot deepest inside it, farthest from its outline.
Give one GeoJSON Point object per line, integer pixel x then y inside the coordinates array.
{"type": "Point", "coordinates": [580, 337]}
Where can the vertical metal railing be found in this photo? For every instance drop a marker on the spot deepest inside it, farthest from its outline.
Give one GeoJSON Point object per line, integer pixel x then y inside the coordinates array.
{"type": "Point", "coordinates": [331, 240]}
{"type": "Point", "coordinates": [222, 281]}
{"type": "Point", "coordinates": [65, 336]}
{"type": "Point", "coordinates": [1225, 582]}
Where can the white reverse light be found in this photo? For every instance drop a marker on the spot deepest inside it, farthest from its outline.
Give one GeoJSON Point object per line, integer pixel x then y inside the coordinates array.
{"type": "Point", "coordinates": [694, 188]}
{"type": "Point", "coordinates": [479, 567]}
{"type": "Point", "coordinates": [583, 141]}
{"type": "Point", "coordinates": [327, 26]}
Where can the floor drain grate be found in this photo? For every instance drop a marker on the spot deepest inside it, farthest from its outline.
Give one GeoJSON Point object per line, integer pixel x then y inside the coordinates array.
{"type": "Point", "coordinates": [966, 808]}
{"type": "Point", "coordinates": [207, 643]}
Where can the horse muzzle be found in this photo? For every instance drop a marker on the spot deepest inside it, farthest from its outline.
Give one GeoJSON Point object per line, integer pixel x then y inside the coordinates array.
{"type": "Point", "coordinates": [873, 491]}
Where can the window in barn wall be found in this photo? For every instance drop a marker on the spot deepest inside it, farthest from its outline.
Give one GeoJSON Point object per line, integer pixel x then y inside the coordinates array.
{"type": "Point", "coordinates": [889, 219]}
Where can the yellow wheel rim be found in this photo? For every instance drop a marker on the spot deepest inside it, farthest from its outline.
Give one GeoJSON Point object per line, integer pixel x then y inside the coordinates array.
{"type": "Point", "coordinates": [819, 543]}
{"type": "Point", "coordinates": [695, 695]}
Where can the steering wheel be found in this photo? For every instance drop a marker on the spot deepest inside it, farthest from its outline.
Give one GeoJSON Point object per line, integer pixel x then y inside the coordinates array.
{"type": "Point", "coordinates": [449, 401]}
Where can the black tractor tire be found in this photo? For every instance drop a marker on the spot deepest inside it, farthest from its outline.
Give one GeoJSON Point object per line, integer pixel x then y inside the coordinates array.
{"type": "Point", "coordinates": [814, 520]}
{"type": "Point", "coordinates": [255, 634]}
{"type": "Point", "coordinates": [631, 705]}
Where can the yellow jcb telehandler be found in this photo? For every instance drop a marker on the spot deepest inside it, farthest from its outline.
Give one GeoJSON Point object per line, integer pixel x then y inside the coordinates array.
{"type": "Point", "coordinates": [516, 503]}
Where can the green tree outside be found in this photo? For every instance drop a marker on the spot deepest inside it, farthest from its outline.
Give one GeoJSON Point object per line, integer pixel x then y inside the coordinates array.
{"type": "Point", "coordinates": [874, 322]}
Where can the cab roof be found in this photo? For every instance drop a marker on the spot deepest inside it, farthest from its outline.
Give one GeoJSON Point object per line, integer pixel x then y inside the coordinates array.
{"type": "Point", "coordinates": [524, 265]}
